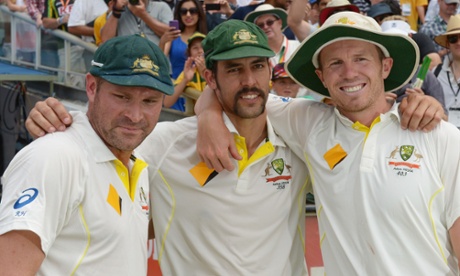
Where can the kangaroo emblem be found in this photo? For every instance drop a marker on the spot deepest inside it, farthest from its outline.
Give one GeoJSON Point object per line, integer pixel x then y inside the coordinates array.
{"type": "Point", "coordinates": [267, 170]}
{"type": "Point", "coordinates": [418, 156]}
{"type": "Point", "coordinates": [393, 153]}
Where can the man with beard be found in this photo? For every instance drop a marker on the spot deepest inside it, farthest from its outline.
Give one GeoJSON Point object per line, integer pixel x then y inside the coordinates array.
{"type": "Point", "coordinates": [76, 202]}
{"type": "Point", "coordinates": [245, 222]}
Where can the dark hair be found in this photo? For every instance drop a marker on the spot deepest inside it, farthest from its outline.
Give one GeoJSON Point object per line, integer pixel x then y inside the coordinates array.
{"type": "Point", "coordinates": [201, 24]}
{"type": "Point", "coordinates": [394, 6]}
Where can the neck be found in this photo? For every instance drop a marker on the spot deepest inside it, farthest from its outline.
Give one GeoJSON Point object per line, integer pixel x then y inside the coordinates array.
{"type": "Point", "coordinates": [121, 155]}
{"type": "Point", "coordinates": [444, 16]}
{"type": "Point", "coordinates": [276, 43]}
{"type": "Point", "coordinates": [253, 130]}
{"type": "Point", "coordinates": [369, 114]}
{"type": "Point", "coordinates": [190, 29]}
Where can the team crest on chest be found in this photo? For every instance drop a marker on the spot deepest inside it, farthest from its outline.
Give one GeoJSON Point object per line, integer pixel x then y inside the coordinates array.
{"type": "Point", "coordinates": [405, 159]}
{"type": "Point", "coordinates": [278, 173]}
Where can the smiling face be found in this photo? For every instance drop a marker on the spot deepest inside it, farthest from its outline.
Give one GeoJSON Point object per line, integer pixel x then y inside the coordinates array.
{"type": "Point", "coordinates": [353, 71]}
{"type": "Point", "coordinates": [241, 85]}
{"type": "Point", "coordinates": [190, 14]}
{"type": "Point", "coordinates": [121, 115]}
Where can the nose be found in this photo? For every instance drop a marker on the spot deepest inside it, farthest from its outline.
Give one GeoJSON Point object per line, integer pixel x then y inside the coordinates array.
{"type": "Point", "coordinates": [248, 79]}
{"type": "Point", "coordinates": [134, 112]}
{"type": "Point", "coordinates": [349, 70]}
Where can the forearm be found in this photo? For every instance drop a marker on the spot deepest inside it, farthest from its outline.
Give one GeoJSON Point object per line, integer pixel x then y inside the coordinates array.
{"type": "Point", "coordinates": [178, 90]}
{"type": "Point", "coordinates": [296, 13]}
{"type": "Point", "coordinates": [14, 7]}
{"type": "Point", "coordinates": [51, 23]}
{"type": "Point", "coordinates": [158, 27]}
{"type": "Point", "coordinates": [81, 30]}
{"type": "Point", "coordinates": [110, 29]}
{"type": "Point", "coordinates": [208, 101]}
{"type": "Point", "coordinates": [421, 13]}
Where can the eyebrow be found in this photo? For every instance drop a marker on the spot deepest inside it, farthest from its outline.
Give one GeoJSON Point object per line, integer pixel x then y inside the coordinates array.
{"type": "Point", "coordinates": [231, 64]}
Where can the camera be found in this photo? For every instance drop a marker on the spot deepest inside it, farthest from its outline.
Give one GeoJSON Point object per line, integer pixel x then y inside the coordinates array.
{"type": "Point", "coordinates": [134, 2]}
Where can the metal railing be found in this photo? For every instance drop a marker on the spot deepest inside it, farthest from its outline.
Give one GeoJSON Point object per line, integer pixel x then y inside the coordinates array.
{"type": "Point", "coordinates": [12, 36]}
{"type": "Point", "coordinates": [18, 29]}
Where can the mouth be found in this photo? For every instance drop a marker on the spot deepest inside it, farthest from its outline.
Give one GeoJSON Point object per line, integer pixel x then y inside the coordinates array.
{"type": "Point", "coordinates": [352, 89]}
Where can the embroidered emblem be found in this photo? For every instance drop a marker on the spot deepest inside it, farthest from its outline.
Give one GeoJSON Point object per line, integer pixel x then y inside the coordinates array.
{"type": "Point", "coordinates": [408, 160]}
{"type": "Point", "coordinates": [406, 152]}
{"type": "Point", "coordinates": [244, 36]}
{"type": "Point", "coordinates": [345, 20]}
{"type": "Point", "coordinates": [145, 64]}
{"type": "Point", "coordinates": [278, 165]}
{"type": "Point", "coordinates": [281, 180]}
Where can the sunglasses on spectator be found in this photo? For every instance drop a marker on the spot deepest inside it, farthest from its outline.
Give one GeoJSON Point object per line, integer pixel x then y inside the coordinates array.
{"type": "Point", "coordinates": [268, 23]}
{"type": "Point", "coordinates": [184, 11]}
{"type": "Point", "coordinates": [452, 39]}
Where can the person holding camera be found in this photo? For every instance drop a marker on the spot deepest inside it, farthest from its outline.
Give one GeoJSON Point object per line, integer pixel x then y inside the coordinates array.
{"type": "Point", "coordinates": [189, 19]}
{"type": "Point", "coordinates": [144, 17]}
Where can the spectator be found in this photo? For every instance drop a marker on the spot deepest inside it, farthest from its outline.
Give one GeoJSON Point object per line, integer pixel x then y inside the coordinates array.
{"type": "Point", "coordinates": [215, 17]}
{"type": "Point", "coordinates": [438, 26]}
{"type": "Point", "coordinates": [82, 16]}
{"type": "Point", "coordinates": [191, 19]}
{"type": "Point", "coordinates": [430, 85]}
{"type": "Point", "coordinates": [433, 10]}
{"type": "Point", "coordinates": [241, 12]}
{"type": "Point", "coordinates": [56, 16]}
{"type": "Point", "coordinates": [35, 8]}
{"type": "Point", "coordinates": [379, 12]}
{"type": "Point", "coordinates": [335, 6]}
{"type": "Point", "coordinates": [311, 14]}
{"type": "Point", "coordinates": [49, 54]}
{"type": "Point", "coordinates": [81, 22]}
{"type": "Point", "coordinates": [192, 75]}
{"type": "Point", "coordinates": [414, 11]}
{"type": "Point", "coordinates": [449, 75]}
{"type": "Point", "coordinates": [282, 84]}
{"type": "Point", "coordinates": [273, 21]}
{"type": "Point", "coordinates": [424, 43]}
{"type": "Point", "coordinates": [25, 33]}
{"type": "Point", "coordinates": [150, 18]}
{"type": "Point", "coordinates": [16, 5]}
{"type": "Point", "coordinates": [100, 21]}
{"type": "Point", "coordinates": [363, 5]}
{"type": "Point", "coordinates": [296, 16]}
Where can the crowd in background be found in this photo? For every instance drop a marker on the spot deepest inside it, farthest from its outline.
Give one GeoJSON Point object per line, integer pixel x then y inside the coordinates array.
{"type": "Point", "coordinates": [432, 24]}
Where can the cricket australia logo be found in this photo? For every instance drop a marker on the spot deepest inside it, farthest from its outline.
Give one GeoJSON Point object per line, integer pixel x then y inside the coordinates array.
{"type": "Point", "coordinates": [244, 36]}
{"type": "Point", "coordinates": [406, 151]}
{"type": "Point", "coordinates": [282, 176]}
{"type": "Point", "coordinates": [407, 160]}
{"type": "Point", "coordinates": [146, 65]}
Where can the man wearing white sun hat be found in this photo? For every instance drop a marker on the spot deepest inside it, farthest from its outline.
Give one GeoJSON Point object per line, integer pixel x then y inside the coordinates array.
{"type": "Point", "coordinates": [387, 198]}
{"type": "Point", "coordinates": [273, 21]}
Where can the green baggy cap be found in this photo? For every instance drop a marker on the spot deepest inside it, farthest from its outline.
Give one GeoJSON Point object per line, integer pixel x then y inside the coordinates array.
{"type": "Point", "coordinates": [234, 39]}
{"type": "Point", "coordinates": [132, 61]}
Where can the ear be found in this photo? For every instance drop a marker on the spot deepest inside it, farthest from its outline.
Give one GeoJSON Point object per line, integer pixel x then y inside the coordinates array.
{"type": "Point", "coordinates": [319, 73]}
{"type": "Point", "coordinates": [210, 79]}
{"type": "Point", "coordinates": [91, 87]}
{"type": "Point", "coordinates": [387, 64]}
